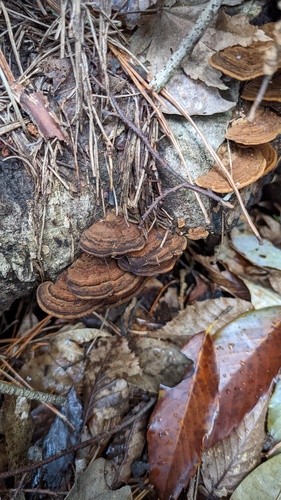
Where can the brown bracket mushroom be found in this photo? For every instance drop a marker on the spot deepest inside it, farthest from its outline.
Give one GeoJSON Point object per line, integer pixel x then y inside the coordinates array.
{"type": "Point", "coordinates": [89, 277]}
{"type": "Point", "coordinates": [158, 256]}
{"type": "Point", "coordinates": [242, 63]}
{"type": "Point", "coordinates": [265, 127]}
{"type": "Point", "coordinates": [56, 299]}
{"type": "Point", "coordinates": [111, 236]}
{"type": "Point", "coordinates": [272, 93]}
{"type": "Point", "coordinates": [248, 165]}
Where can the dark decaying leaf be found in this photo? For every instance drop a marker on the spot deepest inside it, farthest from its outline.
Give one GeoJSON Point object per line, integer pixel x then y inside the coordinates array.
{"type": "Point", "coordinates": [186, 411]}
{"type": "Point", "coordinates": [59, 437]}
{"type": "Point", "coordinates": [249, 356]}
{"type": "Point", "coordinates": [126, 448]}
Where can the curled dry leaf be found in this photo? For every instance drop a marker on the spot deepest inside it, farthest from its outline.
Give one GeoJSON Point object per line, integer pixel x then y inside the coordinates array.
{"type": "Point", "coordinates": [265, 127]}
{"type": "Point", "coordinates": [111, 236]}
{"type": "Point", "coordinates": [247, 165]}
{"type": "Point", "coordinates": [182, 417]}
{"type": "Point", "coordinates": [224, 278]}
{"type": "Point", "coordinates": [56, 299]}
{"type": "Point", "coordinates": [36, 105]}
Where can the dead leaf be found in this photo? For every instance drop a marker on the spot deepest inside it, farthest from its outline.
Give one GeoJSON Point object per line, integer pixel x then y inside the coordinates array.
{"type": "Point", "coordinates": [211, 314]}
{"type": "Point", "coordinates": [161, 363]}
{"type": "Point", "coordinates": [182, 417]}
{"type": "Point", "coordinates": [275, 281]}
{"type": "Point", "coordinates": [274, 414]}
{"type": "Point", "coordinates": [244, 242]}
{"type": "Point", "coordinates": [225, 279]}
{"type": "Point", "coordinates": [91, 485]}
{"type": "Point", "coordinates": [126, 447]}
{"type": "Point", "coordinates": [261, 297]}
{"type": "Point", "coordinates": [36, 105]}
{"type": "Point", "coordinates": [249, 356]}
{"type": "Point", "coordinates": [263, 483]}
{"type": "Point", "coordinates": [110, 363]}
{"type": "Point", "coordinates": [229, 461]}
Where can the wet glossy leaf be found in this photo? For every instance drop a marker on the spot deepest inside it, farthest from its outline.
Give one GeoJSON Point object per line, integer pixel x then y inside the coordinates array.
{"type": "Point", "coordinates": [249, 356]}
{"type": "Point", "coordinates": [186, 411]}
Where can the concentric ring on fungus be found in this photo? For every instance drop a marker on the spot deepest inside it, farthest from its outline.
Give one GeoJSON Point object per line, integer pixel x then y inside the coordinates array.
{"type": "Point", "coordinates": [112, 236]}
{"type": "Point", "coordinates": [56, 299]}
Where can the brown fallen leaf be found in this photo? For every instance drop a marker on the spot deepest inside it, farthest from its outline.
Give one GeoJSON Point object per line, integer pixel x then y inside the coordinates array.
{"type": "Point", "coordinates": [224, 278]}
{"type": "Point", "coordinates": [181, 419]}
{"type": "Point", "coordinates": [249, 357]}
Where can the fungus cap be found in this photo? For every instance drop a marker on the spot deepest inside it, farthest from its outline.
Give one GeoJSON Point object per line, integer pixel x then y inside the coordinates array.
{"type": "Point", "coordinates": [111, 236]}
{"type": "Point", "coordinates": [57, 300]}
{"type": "Point", "coordinates": [248, 165]}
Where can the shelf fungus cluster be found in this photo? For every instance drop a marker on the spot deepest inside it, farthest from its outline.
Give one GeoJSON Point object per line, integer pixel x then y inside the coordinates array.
{"type": "Point", "coordinates": [249, 155]}
{"type": "Point", "coordinates": [116, 262]}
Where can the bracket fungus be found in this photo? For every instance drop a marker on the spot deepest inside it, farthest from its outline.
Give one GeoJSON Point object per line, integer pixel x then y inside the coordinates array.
{"type": "Point", "coordinates": [115, 268]}
{"type": "Point", "coordinates": [272, 93]}
{"type": "Point", "coordinates": [56, 299]}
{"type": "Point", "coordinates": [158, 256]}
{"type": "Point", "coordinates": [265, 127]}
{"type": "Point", "coordinates": [242, 63]}
{"type": "Point", "coordinates": [111, 236]}
{"type": "Point", "coordinates": [247, 165]}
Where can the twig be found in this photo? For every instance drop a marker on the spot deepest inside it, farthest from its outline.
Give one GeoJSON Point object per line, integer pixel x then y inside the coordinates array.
{"type": "Point", "coordinates": [45, 397]}
{"type": "Point", "coordinates": [187, 45]}
{"type": "Point", "coordinates": [265, 81]}
{"type": "Point", "coordinates": [144, 139]}
{"type": "Point", "coordinates": [104, 435]}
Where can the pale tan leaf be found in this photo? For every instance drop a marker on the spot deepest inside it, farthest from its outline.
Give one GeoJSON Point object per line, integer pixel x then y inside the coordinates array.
{"type": "Point", "coordinates": [275, 281]}
{"type": "Point", "coordinates": [229, 461]}
{"type": "Point", "coordinates": [91, 485]}
{"type": "Point", "coordinates": [200, 316]}
{"type": "Point", "coordinates": [260, 296]}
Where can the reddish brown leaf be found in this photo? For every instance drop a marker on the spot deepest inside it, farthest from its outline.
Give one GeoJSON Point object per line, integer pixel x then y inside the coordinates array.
{"type": "Point", "coordinates": [249, 357]}
{"type": "Point", "coordinates": [181, 419]}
